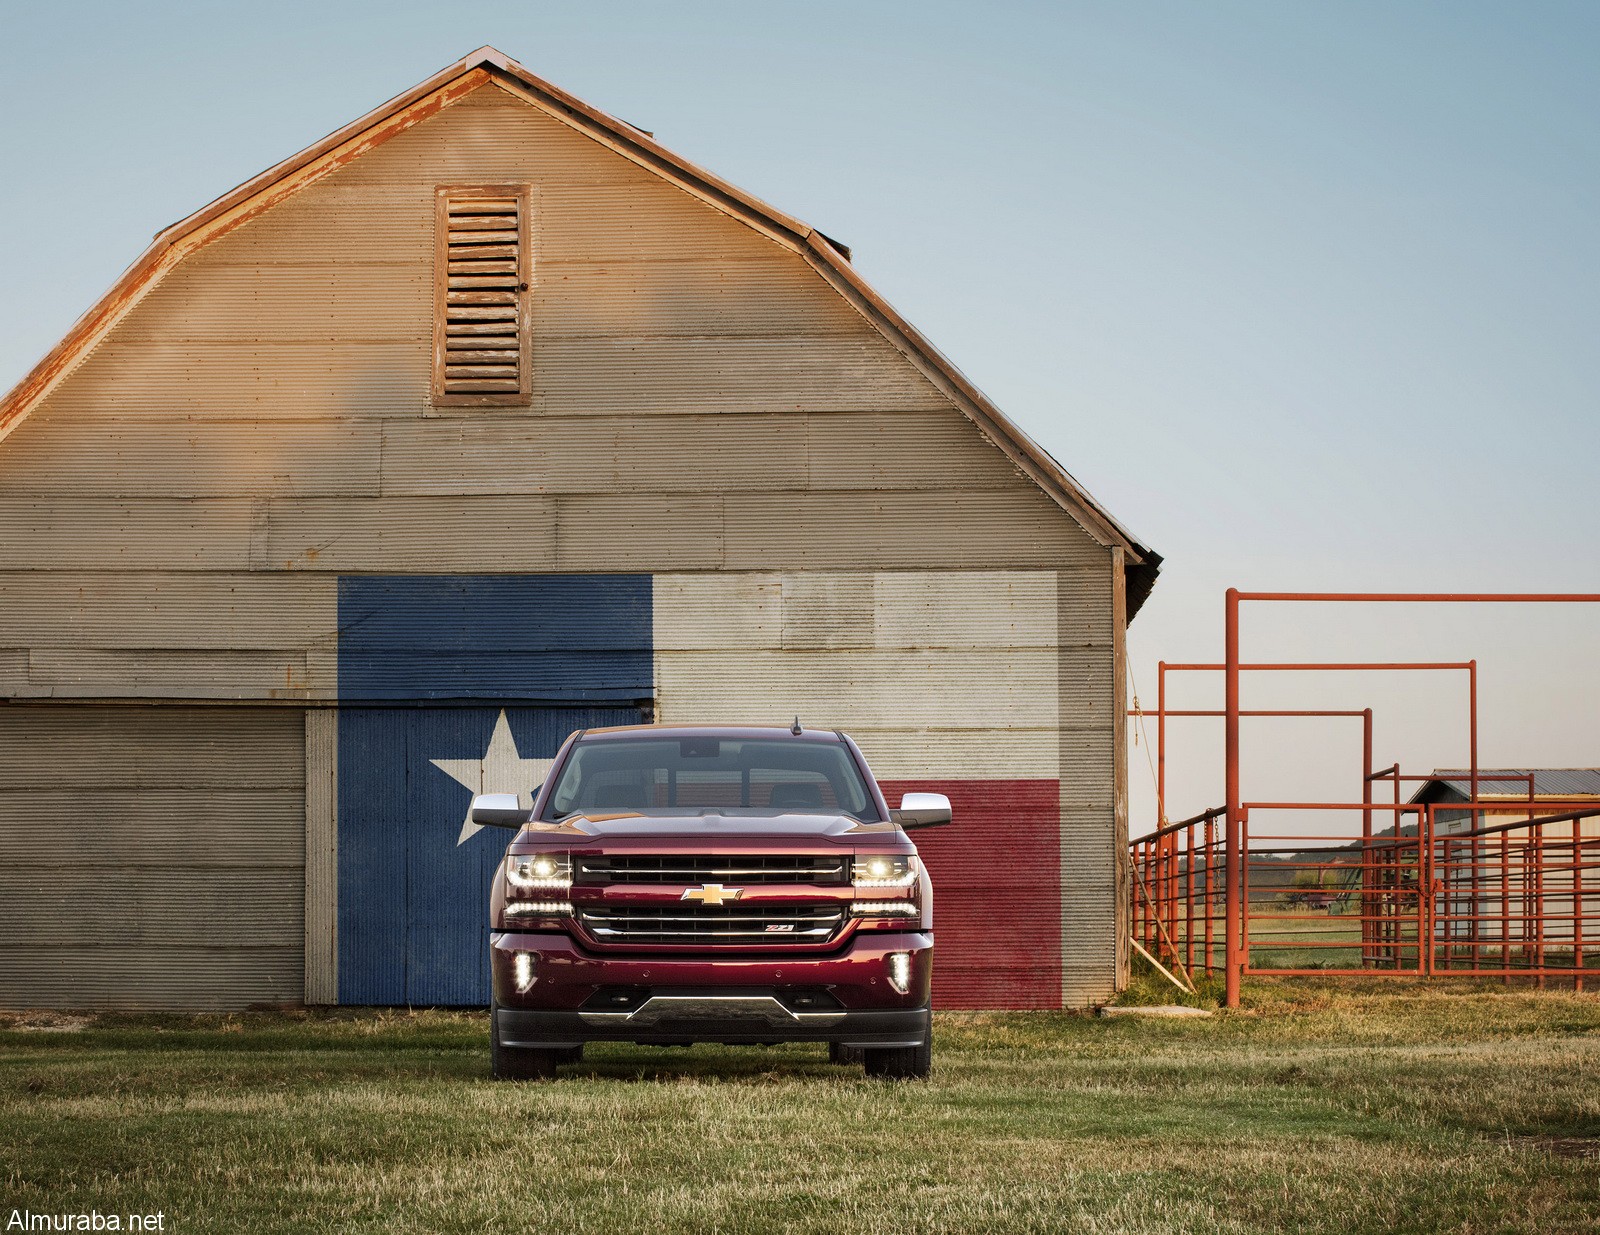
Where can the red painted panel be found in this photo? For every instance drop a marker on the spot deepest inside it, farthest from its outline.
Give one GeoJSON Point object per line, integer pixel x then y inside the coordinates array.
{"type": "Point", "coordinates": [996, 891]}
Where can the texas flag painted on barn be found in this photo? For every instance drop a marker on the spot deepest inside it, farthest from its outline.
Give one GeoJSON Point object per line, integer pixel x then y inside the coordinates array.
{"type": "Point", "coordinates": [452, 685]}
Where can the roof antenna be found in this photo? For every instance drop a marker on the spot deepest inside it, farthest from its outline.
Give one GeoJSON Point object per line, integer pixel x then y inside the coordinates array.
{"type": "Point", "coordinates": [795, 728]}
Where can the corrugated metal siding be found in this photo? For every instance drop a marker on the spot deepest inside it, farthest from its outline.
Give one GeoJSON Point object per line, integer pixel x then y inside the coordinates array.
{"type": "Point", "coordinates": [322, 856]}
{"type": "Point", "coordinates": [197, 815]}
{"type": "Point", "coordinates": [151, 458]}
{"type": "Point", "coordinates": [131, 609]}
{"type": "Point", "coordinates": [996, 892]}
{"type": "Point", "coordinates": [1090, 672]}
{"type": "Point", "coordinates": [930, 670]}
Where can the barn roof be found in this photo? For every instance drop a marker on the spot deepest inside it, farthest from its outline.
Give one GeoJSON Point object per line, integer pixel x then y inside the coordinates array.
{"type": "Point", "coordinates": [1547, 782]}
{"type": "Point", "coordinates": [485, 66]}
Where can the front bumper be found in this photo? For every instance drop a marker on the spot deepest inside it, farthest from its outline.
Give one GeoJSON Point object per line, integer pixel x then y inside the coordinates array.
{"type": "Point", "coordinates": [577, 996]}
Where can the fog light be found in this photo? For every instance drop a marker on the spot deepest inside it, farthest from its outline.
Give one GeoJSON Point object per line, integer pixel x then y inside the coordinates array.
{"type": "Point", "coordinates": [524, 967]}
{"type": "Point", "coordinates": [900, 971]}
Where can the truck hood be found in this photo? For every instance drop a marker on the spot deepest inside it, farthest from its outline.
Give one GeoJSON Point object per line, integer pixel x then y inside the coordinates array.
{"type": "Point", "coordinates": [712, 826]}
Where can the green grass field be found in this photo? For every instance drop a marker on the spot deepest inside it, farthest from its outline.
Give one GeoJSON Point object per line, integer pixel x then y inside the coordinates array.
{"type": "Point", "coordinates": [1319, 1107]}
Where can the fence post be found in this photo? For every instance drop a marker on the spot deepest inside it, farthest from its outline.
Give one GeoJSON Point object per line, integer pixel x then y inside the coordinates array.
{"type": "Point", "coordinates": [1232, 951]}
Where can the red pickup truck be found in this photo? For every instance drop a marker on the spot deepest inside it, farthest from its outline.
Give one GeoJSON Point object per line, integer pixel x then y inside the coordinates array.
{"type": "Point", "coordinates": [676, 884]}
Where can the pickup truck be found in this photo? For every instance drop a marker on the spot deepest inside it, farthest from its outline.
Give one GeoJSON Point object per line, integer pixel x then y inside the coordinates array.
{"type": "Point", "coordinates": [675, 884]}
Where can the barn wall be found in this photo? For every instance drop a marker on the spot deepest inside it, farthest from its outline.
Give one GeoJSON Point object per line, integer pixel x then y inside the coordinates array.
{"type": "Point", "coordinates": [175, 517]}
{"type": "Point", "coordinates": [154, 856]}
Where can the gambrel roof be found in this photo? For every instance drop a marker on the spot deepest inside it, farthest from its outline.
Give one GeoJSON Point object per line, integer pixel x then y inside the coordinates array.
{"type": "Point", "coordinates": [488, 66]}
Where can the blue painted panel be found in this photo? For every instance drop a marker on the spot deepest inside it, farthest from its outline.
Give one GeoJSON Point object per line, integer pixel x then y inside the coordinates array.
{"type": "Point", "coordinates": [413, 904]}
{"type": "Point", "coordinates": [555, 652]}
{"type": "Point", "coordinates": [544, 638]}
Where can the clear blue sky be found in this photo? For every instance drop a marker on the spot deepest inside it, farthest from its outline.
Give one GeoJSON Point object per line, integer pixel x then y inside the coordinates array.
{"type": "Point", "coordinates": [1309, 295]}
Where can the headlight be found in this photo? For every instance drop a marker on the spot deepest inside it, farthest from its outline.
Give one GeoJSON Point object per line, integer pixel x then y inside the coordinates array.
{"type": "Point", "coordinates": [884, 870]}
{"type": "Point", "coordinates": [524, 971]}
{"type": "Point", "coordinates": [549, 871]}
{"type": "Point", "coordinates": [900, 971]}
{"type": "Point", "coordinates": [885, 909]}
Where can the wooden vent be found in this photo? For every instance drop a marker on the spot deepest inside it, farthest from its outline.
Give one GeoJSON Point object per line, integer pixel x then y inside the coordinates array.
{"type": "Point", "coordinates": [481, 341]}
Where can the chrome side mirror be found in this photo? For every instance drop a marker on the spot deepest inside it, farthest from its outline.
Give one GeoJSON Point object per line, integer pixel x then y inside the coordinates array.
{"type": "Point", "coordinates": [498, 810]}
{"type": "Point", "coordinates": [922, 810]}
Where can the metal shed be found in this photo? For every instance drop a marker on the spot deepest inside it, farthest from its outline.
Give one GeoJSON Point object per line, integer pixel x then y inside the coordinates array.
{"type": "Point", "coordinates": [483, 419]}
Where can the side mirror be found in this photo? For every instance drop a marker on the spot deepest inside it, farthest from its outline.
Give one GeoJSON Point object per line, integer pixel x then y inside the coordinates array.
{"type": "Point", "coordinates": [922, 810]}
{"type": "Point", "coordinates": [498, 810]}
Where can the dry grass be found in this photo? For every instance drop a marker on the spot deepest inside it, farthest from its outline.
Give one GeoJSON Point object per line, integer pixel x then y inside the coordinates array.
{"type": "Point", "coordinates": [1316, 1108]}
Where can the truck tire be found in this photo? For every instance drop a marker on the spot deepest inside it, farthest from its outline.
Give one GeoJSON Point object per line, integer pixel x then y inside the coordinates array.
{"type": "Point", "coordinates": [518, 1063]}
{"type": "Point", "coordinates": [901, 1063]}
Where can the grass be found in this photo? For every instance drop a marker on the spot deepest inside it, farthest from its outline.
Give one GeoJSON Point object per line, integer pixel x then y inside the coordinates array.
{"type": "Point", "coordinates": [1318, 1107]}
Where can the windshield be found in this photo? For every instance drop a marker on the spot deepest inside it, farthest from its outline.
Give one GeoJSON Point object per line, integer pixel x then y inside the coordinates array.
{"type": "Point", "coordinates": [689, 774]}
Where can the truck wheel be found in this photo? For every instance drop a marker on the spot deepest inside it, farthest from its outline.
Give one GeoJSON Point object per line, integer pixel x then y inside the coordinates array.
{"type": "Point", "coordinates": [838, 1052]}
{"type": "Point", "coordinates": [518, 1063]}
{"type": "Point", "coordinates": [901, 1063]}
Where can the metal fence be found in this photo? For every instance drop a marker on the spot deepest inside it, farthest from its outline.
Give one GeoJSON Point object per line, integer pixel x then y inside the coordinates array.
{"type": "Point", "coordinates": [1516, 897]}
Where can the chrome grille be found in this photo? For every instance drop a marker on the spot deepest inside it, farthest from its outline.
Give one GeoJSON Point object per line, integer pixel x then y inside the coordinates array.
{"type": "Point", "coordinates": [770, 925]}
{"type": "Point", "coordinates": [694, 868]}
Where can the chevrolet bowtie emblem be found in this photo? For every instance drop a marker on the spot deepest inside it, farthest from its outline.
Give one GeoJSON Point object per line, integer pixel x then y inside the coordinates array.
{"type": "Point", "coordinates": [712, 894]}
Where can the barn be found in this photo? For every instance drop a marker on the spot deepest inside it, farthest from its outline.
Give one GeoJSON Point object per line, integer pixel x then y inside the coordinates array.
{"type": "Point", "coordinates": [485, 419]}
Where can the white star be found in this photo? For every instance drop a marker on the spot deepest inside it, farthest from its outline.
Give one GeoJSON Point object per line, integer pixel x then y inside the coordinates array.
{"type": "Point", "coordinates": [501, 770]}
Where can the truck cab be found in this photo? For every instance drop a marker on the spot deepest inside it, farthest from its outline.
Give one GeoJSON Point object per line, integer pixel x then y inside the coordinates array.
{"type": "Point", "coordinates": [739, 884]}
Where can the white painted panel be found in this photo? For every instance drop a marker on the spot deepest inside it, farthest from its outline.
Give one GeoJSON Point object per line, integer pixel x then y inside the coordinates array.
{"type": "Point", "coordinates": [824, 609]}
{"type": "Point", "coordinates": [873, 689]}
{"type": "Point", "coordinates": [964, 609]}
{"type": "Point", "coordinates": [711, 610]}
{"type": "Point", "coordinates": [962, 754]}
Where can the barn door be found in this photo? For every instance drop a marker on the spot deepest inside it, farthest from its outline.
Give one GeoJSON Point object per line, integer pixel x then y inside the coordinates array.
{"type": "Point", "coordinates": [450, 685]}
{"type": "Point", "coordinates": [413, 873]}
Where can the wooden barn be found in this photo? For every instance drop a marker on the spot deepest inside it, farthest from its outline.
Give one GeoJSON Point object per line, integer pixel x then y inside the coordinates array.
{"type": "Point", "coordinates": [484, 419]}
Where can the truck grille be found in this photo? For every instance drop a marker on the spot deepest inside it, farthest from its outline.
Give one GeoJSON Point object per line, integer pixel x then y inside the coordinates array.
{"type": "Point", "coordinates": [676, 868]}
{"type": "Point", "coordinates": [772, 925]}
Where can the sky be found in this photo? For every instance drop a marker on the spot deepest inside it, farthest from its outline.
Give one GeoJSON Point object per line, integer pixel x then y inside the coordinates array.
{"type": "Point", "coordinates": [1308, 295]}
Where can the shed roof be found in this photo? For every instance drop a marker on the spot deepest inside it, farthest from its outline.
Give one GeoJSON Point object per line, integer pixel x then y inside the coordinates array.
{"type": "Point", "coordinates": [1547, 782]}
{"type": "Point", "coordinates": [488, 66]}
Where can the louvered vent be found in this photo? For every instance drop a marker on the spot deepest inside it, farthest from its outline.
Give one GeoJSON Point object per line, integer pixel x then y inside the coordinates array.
{"type": "Point", "coordinates": [481, 342]}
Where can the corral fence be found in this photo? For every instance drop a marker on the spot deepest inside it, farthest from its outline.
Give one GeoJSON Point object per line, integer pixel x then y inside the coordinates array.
{"type": "Point", "coordinates": [1496, 885]}
{"type": "Point", "coordinates": [1494, 889]}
